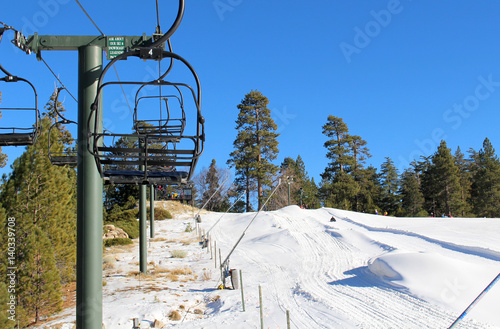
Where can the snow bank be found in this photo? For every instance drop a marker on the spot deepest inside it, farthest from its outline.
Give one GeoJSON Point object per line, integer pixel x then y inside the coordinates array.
{"type": "Point", "coordinates": [446, 281]}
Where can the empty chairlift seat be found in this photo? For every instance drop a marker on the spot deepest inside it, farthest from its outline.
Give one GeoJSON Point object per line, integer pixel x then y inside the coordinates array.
{"type": "Point", "coordinates": [171, 119]}
{"type": "Point", "coordinates": [20, 121]}
{"type": "Point", "coordinates": [62, 148]}
{"type": "Point", "coordinates": [19, 125]}
{"type": "Point", "coordinates": [158, 151]}
{"type": "Point", "coordinates": [145, 159]}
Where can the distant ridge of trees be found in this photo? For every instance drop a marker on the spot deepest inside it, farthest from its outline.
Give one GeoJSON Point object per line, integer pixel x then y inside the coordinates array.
{"type": "Point", "coordinates": [442, 184]}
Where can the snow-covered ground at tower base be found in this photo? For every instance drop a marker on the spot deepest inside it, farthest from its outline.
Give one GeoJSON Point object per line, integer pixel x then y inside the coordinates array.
{"type": "Point", "coordinates": [361, 271]}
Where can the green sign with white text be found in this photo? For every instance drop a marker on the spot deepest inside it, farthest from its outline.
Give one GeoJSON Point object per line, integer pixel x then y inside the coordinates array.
{"type": "Point", "coordinates": [116, 46]}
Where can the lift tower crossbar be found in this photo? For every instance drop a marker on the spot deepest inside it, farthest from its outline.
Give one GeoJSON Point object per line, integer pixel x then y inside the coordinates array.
{"type": "Point", "coordinates": [112, 44]}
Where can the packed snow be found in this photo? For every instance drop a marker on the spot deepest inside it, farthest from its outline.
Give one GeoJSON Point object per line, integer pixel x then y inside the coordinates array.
{"type": "Point", "coordinates": [359, 271]}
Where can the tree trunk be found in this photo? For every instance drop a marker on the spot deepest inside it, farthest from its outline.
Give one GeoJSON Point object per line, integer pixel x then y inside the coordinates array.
{"type": "Point", "coordinates": [259, 159]}
{"type": "Point", "coordinates": [248, 192]}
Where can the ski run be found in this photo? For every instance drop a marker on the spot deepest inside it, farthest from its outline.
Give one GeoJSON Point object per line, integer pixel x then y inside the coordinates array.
{"type": "Point", "coordinates": [359, 271]}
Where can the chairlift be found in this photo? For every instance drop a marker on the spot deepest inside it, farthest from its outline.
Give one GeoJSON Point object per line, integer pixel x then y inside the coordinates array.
{"type": "Point", "coordinates": [147, 156]}
{"type": "Point", "coordinates": [179, 193]}
{"type": "Point", "coordinates": [172, 124]}
{"type": "Point", "coordinates": [62, 156]}
{"type": "Point", "coordinates": [12, 134]}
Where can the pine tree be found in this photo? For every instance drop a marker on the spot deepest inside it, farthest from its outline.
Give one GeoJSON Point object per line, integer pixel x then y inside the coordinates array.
{"type": "Point", "coordinates": [309, 192]}
{"type": "Point", "coordinates": [310, 197]}
{"type": "Point", "coordinates": [369, 190]}
{"type": "Point", "coordinates": [255, 145]}
{"type": "Point", "coordinates": [346, 190]}
{"type": "Point", "coordinates": [485, 192]}
{"type": "Point", "coordinates": [39, 279]}
{"type": "Point", "coordinates": [465, 182]}
{"type": "Point", "coordinates": [212, 182]}
{"type": "Point", "coordinates": [360, 153]}
{"type": "Point", "coordinates": [412, 199]}
{"type": "Point", "coordinates": [337, 147]}
{"type": "Point", "coordinates": [42, 199]}
{"type": "Point", "coordinates": [344, 175]}
{"type": "Point", "coordinates": [428, 182]}
{"type": "Point", "coordinates": [299, 179]}
{"type": "Point", "coordinates": [209, 181]}
{"type": "Point", "coordinates": [440, 182]}
{"type": "Point", "coordinates": [390, 186]}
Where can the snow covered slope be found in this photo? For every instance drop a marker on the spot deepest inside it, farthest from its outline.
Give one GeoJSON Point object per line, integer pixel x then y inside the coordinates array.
{"type": "Point", "coordinates": [361, 271]}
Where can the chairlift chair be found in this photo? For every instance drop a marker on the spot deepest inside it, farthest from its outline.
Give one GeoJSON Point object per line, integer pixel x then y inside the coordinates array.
{"type": "Point", "coordinates": [61, 156]}
{"type": "Point", "coordinates": [151, 156]}
{"type": "Point", "coordinates": [180, 193]}
{"type": "Point", "coordinates": [19, 135]}
{"type": "Point", "coordinates": [172, 124]}
{"type": "Point", "coordinates": [187, 192]}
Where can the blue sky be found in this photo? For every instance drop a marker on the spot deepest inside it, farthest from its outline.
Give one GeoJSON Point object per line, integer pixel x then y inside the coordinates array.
{"type": "Point", "coordinates": [402, 74]}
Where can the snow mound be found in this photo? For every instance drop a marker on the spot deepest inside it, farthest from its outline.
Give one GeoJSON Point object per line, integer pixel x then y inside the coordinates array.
{"type": "Point", "coordinates": [437, 278]}
{"type": "Point", "coordinates": [380, 267]}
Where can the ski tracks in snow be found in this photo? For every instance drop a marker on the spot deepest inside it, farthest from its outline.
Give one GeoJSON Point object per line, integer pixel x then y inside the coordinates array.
{"type": "Point", "coordinates": [336, 290]}
{"type": "Point", "coordinates": [328, 285]}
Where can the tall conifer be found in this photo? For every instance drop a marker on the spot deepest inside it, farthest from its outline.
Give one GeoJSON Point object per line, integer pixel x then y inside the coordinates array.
{"type": "Point", "coordinates": [213, 186]}
{"type": "Point", "coordinates": [42, 199]}
{"type": "Point", "coordinates": [337, 147]}
{"type": "Point", "coordinates": [485, 193]}
{"type": "Point", "coordinates": [344, 175]}
{"type": "Point", "coordinates": [412, 199]}
{"type": "Point", "coordinates": [255, 145]}
{"type": "Point", "coordinates": [369, 190]}
{"type": "Point", "coordinates": [390, 186]}
{"type": "Point", "coordinates": [309, 189]}
{"type": "Point", "coordinates": [465, 182]}
{"type": "Point", "coordinates": [441, 184]}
